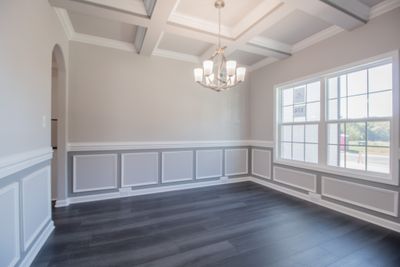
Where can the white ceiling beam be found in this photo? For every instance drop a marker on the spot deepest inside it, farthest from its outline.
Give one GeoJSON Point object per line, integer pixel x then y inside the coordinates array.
{"type": "Point", "coordinates": [96, 10]}
{"type": "Point", "coordinates": [343, 13]}
{"type": "Point", "coordinates": [159, 17]}
{"type": "Point", "coordinates": [275, 14]}
{"type": "Point", "coordinates": [262, 51]}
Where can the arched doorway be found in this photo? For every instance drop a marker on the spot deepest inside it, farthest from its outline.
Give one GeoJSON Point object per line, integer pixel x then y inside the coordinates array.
{"type": "Point", "coordinates": [58, 125]}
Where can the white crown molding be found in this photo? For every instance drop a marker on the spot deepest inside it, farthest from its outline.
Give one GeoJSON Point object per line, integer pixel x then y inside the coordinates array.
{"type": "Point", "coordinates": [100, 41]}
{"type": "Point", "coordinates": [199, 24]}
{"type": "Point", "coordinates": [132, 6]}
{"type": "Point", "coordinates": [18, 162]}
{"type": "Point", "coordinates": [383, 7]}
{"type": "Point", "coordinates": [65, 22]}
{"type": "Point", "coordinates": [175, 55]}
{"type": "Point", "coordinates": [316, 38]}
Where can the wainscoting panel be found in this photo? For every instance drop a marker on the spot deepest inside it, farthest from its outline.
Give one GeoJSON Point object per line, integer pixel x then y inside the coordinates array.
{"type": "Point", "coordinates": [139, 169]}
{"type": "Point", "coordinates": [177, 166]}
{"type": "Point", "coordinates": [301, 180]}
{"type": "Point", "coordinates": [208, 163]}
{"type": "Point", "coordinates": [236, 161]}
{"type": "Point", "coordinates": [36, 208]}
{"type": "Point", "coordinates": [9, 230]}
{"type": "Point", "coordinates": [261, 163]}
{"type": "Point", "coordinates": [94, 172]}
{"type": "Point", "coordinates": [377, 199]}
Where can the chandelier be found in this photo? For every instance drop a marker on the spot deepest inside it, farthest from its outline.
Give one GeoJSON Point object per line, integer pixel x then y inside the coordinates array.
{"type": "Point", "coordinates": [218, 73]}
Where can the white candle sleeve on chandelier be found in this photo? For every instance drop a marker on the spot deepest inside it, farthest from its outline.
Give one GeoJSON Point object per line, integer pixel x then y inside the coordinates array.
{"type": "Point", "coordinates": [209, 79]}
{"type": "Point", "coordinates": [240, 73]}
{"type": "Point", "coordinates": [208, 67]}
{"type": "Point", "coordinates": [198, 74]}
{"type": "Point", "coordinates": [230, 67]}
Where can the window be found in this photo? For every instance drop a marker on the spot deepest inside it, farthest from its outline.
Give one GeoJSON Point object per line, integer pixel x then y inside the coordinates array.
{"type": "Point", "coordinates": [298, 127]}
{"type": "Point", "coordinates": [359, 118]}
{"type": "Point", "coordinates": [342, 122]}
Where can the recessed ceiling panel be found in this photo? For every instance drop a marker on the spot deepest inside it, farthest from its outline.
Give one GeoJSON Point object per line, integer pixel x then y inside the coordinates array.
{"type": "Point", "coordinates": [371, 3]}
{"type": "Point", "coordinates": [183, 45]}
{"type": "Point", "coordinates": [132, 6]}
{"type": "Point", "coordinates": [232, 13]}
{"type": "Point", "coordinates": [245, 58]}
{"type": "Point", "coordinates": [102, 27]}
{"type": "Point", "coordinates": [295, 27]}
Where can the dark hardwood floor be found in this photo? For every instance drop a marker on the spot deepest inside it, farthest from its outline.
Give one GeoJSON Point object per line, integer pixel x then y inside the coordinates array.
{"type": "Point", "coordinates": [229, 225]}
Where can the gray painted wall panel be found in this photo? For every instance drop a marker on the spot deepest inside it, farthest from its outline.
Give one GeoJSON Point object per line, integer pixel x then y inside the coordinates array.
{"type": "Point", "coordinates": [139, 169]}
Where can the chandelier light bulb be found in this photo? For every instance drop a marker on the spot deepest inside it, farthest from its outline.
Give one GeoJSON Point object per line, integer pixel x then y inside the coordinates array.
{"type": "Point", "coordinates": [198, 75]}
{"type": "Point", "coordinates": [240, 73]}
{"type": "Point", "coordinates": [230, 67]}
{"type": "Point", "coordinates": [208, 67]}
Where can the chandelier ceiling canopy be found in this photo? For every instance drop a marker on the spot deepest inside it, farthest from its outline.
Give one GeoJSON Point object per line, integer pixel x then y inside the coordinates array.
{"type": "Point", "coordinates": [218, 73]}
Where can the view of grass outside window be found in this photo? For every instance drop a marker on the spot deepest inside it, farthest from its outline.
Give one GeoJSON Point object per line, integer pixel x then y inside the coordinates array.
{"type": "Point", "coordinates": [357, 121]}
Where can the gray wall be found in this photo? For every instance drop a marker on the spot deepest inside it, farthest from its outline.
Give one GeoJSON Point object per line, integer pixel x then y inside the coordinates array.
{"type": "Point", "coordinates": [118, 96]}
{"type": "Point", "coordinates": [379, 36]}
{"type": "Point", "coordinates": [29, 30]}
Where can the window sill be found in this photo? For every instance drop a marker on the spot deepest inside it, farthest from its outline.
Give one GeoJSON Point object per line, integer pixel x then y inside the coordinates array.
{"type": "Point", "coordinates": [377, 178]}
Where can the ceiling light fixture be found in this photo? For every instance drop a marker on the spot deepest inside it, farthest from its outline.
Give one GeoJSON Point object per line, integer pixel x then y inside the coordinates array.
{"type": "Point", "coordinates": [218, 73]}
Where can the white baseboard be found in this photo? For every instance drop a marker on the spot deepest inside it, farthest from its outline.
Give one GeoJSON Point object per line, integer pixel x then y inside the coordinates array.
{"type": "Point", "coordinates": [127, 192]}
{"type": "Point", "coordinates": [30, 256]}
{"type": "Point", "coordinates": [330, 205]}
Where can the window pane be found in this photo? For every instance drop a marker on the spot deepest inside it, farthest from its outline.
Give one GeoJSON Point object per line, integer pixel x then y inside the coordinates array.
{"type": "Point", "coordinates": [333, 109]}
{"type": "Point", "coordinates": [299, 113]}
{"type": "Point", "coordinates": [357, 82]}
{"type": "Point", "coordinates": [355, 157]}
{"type": "Point", "coordinates": [380, 104]}
{"type": "Point", "coordinates": [333, 88]}
{"type": "Point", "coordinates": [298, 152]}
{"type": "Point", "coordinates": [357, 106]}
{"type": "Point", "coordinates": [286, 150]}
{"type": "Point", "coordinates": [355, 133]}
{"type": "Point", "coordinates": [312, 133]}
{"type": "Point", "coordinates": [313, 111]}
{"type": "Point", "coordinates": [298, 133]}
{"type": "Point", "coordinates": [343, 85]}
{"type": "Point", "coordinates": [287, 97]}
{"type": "Point", "coordinates": [342, 135]}
{"type": "Point", "coordinates": [299, 95]}
{"type": "Point", "coordinates": [380, 78]}
{"type": "Point", "coordinates": [333, 133]}
{"type": "Point", "coordinates": [378, 159]}
{"type": "Point", "coordinates": [343, 108]}
{"type": "Point", "coordinates": [287, 114]}
{"type": "Point", "coordinates": [333, 155]}
{"type": "Point", "coordinates": [311, 153]}
{"type": "Point", "coordinates": [378, 133]}
{"type": "Point", "coordinates": [286, 133]}
{"type": "Point", "coordinates": [313, 91]}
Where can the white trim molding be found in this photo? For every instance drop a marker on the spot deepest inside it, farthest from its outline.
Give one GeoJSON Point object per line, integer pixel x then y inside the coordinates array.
{"type": "Point", "coordinates": [394, 212]}
{"type": "Point", "coordinates": [176, 55]}
{"type": "Point", "coordinates": [269, 154]}
{"type": "Point", "coordinates": [220, 151]}
{"type": "Point", "coordinates": [160, 189]}
{"type": "Point", "coordinates": [164, 154]}
{"type": "Point", "coordinates": [30, 256]}
{"type": "Point", "coordinates": [383, 7]}
{"type": "Point", "coordinates": [156, 145]}
{"type": "Point", "coordinates": [309, 189]}
{"type": "Point", "coordinates": [115, 178]}
{"type": "Point", "coordinates": [18, 162]}
{"type": "Point", "coordinates": [14, 188]}
{"type": "Point", "coordinates": [247, 162]}
{"type": "Point", "coordinates": [123, 178]}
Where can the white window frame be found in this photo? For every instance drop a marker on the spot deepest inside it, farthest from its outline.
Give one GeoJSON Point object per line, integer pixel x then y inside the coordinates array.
{"type": "Point", "coordinates": [393, 177]}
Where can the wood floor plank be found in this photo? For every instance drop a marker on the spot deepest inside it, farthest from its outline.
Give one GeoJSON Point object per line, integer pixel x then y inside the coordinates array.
{"type": "Point", "coordinates": [229, 225]}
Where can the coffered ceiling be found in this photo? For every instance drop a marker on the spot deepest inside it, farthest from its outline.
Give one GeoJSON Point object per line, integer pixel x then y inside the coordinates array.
{"type": "Point", "coordinates": [255, 32]}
